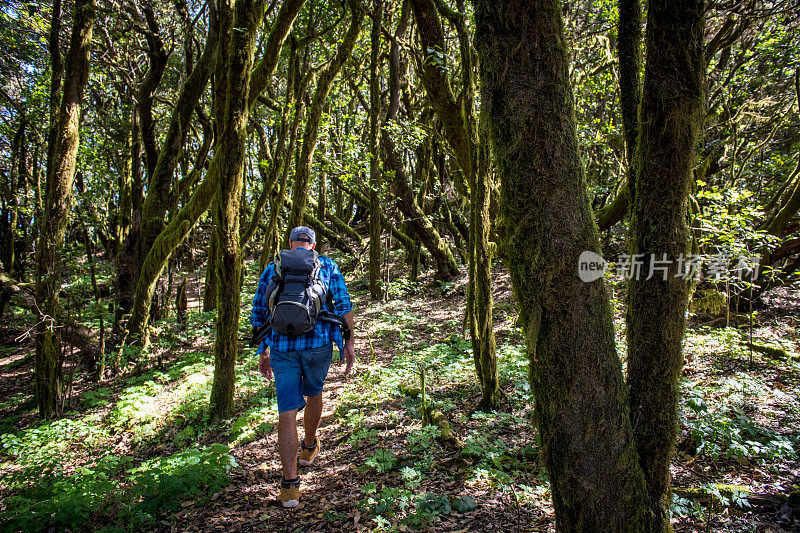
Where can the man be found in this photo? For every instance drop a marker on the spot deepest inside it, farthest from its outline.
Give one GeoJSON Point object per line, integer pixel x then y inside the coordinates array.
{"type": "Point", "coordinates": [300, 365]}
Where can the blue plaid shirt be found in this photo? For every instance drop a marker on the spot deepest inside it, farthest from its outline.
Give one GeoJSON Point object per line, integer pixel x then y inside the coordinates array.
{"type": "Point", "coordinates": [324, 332]}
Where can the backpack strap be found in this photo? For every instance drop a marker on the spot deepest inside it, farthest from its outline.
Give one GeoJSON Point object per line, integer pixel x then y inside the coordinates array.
{"type": "Point", "coordinates": [272, 296]}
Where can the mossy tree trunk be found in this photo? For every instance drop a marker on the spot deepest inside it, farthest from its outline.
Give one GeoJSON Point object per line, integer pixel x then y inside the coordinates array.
{"type": "Point", "coordinates": [480, 311]}
{"type": "Point", "coordinates": [180, 225]}
{"type": "Point", "coordinates": [581, 409]}
{"type": "Point", "coordinates": [374, 164]}
{"type": "Point", "coordinates": [461, 131]}
{"type": "Point", "coordinates": [629, 50]}
{"type": "Point", "coordinates": [311, 133]}
{"type": "Point", "coordinates": [671, 115]}
{"type": "Point", "coordinates": [58, 198]}
{"type": "Point", "coordinates": [124, 279]}
{"type": "Point", "coordinates": [248, 15]}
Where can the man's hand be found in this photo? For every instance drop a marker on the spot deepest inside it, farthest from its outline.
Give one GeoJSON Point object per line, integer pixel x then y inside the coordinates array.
{"type": "Point", "coordinates": [263, 365]}
{"type": "Point", "coordinates": [349, 355]}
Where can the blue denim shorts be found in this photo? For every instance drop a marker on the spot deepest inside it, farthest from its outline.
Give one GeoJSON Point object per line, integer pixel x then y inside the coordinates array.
{"type": "Point", "coordinates": [299, 373]}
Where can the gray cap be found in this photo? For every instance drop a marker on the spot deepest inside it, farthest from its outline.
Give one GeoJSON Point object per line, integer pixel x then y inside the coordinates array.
{"type": "Point", "coordinates": [296, 233]}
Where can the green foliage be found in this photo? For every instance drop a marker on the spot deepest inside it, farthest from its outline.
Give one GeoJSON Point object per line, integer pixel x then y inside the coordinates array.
{"type": "Point", "coordinates": [132, 497]}
{"type": "Point", "coordinates": [382, 460]}
{"type": "Point", "coordinates": [390, 503]}
{"type": "Point", "coordinates": [726, 430]}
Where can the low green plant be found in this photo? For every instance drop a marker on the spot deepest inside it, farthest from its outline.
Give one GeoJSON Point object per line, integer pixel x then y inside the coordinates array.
{"type": "Point", "coordinates": [730, 432]}
{"type": "Point", "coordinates": [112, 490]}
{"type": "Point", "coordinates": [382, 460]}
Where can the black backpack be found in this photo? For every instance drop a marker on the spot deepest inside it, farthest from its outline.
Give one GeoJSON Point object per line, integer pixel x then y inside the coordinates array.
{"type": "Point", "coordinates": [295, 294]}
{"type": "Point", "coordinates": [295, 297]}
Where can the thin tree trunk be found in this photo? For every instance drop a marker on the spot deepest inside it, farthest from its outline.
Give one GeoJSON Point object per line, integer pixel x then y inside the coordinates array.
{"type": "Point", "coordinates": [295, 92]}
{"type": "Point", "coordinates": [460, 126]}
{"type": "Point", "coordinates": [125, 184]}
{"type": "Point", "coordinates": [374, 168]}
{"type": "Point", "coordinates": [671, 115]}
{"type": "Point", "coordinates": [174, 233]}
{"type": "Point", "coordinates": [581, 410]}
{"type": "Point", "coordinates": [310, 135]}
{"type": "Point", "coordinates": [446, 266]}
{"type": "Point", "coordinates": [56, 74]}
{"type": "Point", "coordinates": [157, 56]}
{"type": "Point", "coordinates": [17, 174]}
{"type": "Point", "coordinates": [480, 319]}
{"type": "Point", "coordinates": [158, 199]}
{"type": "Point", "coordinates": [629, 49]}
{"type": "Point", "coordinates": [57, 208]}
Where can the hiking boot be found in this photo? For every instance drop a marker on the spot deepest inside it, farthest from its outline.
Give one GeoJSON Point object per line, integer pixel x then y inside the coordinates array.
{"type": "Point", "coordinates": [290, 492]}
{"type": "Point", "coordinates": [307, 454]}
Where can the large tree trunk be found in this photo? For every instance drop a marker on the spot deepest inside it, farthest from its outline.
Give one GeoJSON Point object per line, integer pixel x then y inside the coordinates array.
{"type": "Point", "coordinates": [581, 409]}
{"type": "Point", "coordinates": [247, 18]}
{"type": "Point", "coordinates": [671, 115]}
{"type": "Point", "coordinates": [57, 207]}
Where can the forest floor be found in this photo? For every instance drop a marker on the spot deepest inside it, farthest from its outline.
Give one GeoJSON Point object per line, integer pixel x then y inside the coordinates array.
{"type": "Point", "coordinates": [138, 452]}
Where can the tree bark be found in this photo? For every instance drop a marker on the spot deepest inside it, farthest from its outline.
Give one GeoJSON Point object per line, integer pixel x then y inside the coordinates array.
{"type": "Point", "coordinates": [374, 164]}
{"type": "Point", "coordinates": [177, 229]}
{"type": "Point", "coordinates": [581, 410]}
{"type": "Point", "coordinates": [324, 84]}
{"type": "Point", "coordinates": [248, 15]}
{"type": "Point", "coordinates": [57, 208]}
{"type": "Point", "coordinates": [671, 115]}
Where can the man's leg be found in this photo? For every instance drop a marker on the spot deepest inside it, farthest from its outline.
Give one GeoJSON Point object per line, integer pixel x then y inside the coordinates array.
{"type": "Point", "coordinates": [311, 419]}
{"type": "Point", "coordinates": [287, 442]}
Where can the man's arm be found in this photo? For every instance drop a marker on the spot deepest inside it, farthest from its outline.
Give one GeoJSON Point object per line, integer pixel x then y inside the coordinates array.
{"type": "Point", "coordinates": [259, 315]}
{"type": "Point", "coordinates": [259, 312]}
{"type": "Point", "coordinates": [350, 344]}
{"type": "Point", "coordinates": [343, 307]}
